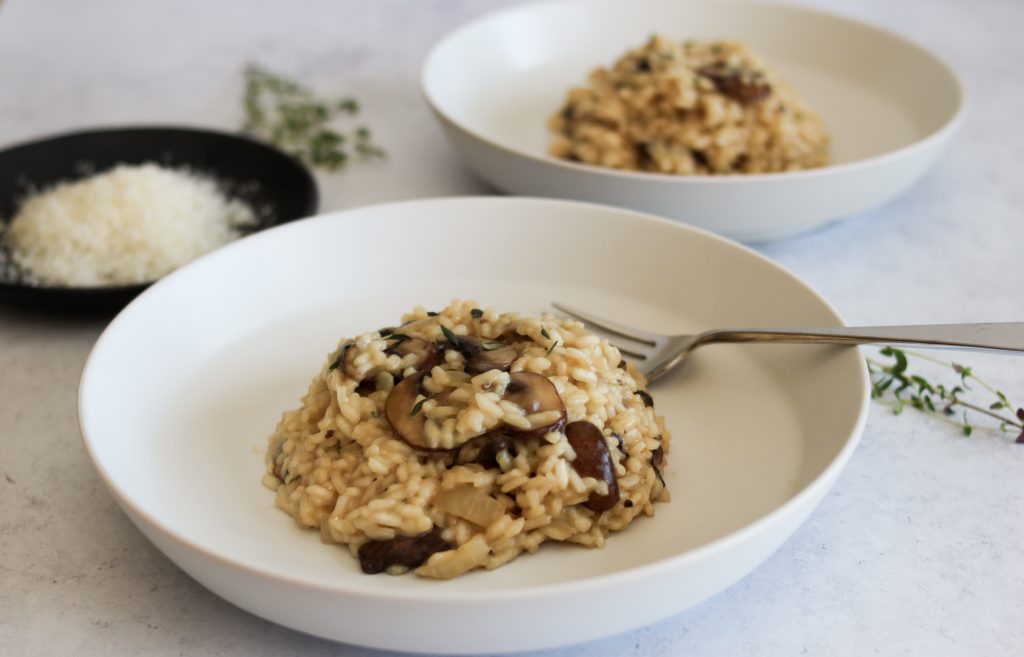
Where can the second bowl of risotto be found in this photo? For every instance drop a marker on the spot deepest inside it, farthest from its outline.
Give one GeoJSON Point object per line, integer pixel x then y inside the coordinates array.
{"type": "Point", "coordinates": [751, 119]}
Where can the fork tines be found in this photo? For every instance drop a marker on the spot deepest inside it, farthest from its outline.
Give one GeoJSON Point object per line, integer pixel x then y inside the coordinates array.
{"type": "Point", "coordinates": [614, 328]}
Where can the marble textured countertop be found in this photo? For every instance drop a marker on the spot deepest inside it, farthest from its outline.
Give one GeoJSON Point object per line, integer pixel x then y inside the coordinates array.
{"type": "Point", "coordinates": [918, 548]}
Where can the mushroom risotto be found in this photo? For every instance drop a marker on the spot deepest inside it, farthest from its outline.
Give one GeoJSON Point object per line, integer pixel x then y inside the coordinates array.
{"type": "Point", "coordinates": [689, 108]}
{"type": "Point", "coordinates": [463, 438]}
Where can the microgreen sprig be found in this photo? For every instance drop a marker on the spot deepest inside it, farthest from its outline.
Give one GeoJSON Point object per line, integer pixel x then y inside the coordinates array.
{"type": "Point", "coordinates": [892, 384]}
{"type": "Point", "coordinates": [288, 115]}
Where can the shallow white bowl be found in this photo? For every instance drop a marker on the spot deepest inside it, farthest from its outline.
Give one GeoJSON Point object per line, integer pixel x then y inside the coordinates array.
{"type": "Point", "coordinates": [890, 106]}
{"type": "Point", "coordinates": [185, 385]}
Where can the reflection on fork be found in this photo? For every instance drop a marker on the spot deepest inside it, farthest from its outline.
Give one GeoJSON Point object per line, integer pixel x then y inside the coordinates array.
{"type": "Point", "coordinates": [655, 354]}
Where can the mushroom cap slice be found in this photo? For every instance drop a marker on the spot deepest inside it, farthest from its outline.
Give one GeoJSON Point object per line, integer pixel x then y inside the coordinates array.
{"type": "Point", "coordinates": [351, 369]}
{"type": "Point", "coordinates": [401, 552]}
{"type": "Point", "coordinates": [538, 397]}
{"type": "Point", "coordinates": [400, 410]}
{"type": "Point", "coordinates": [483, 450]}
{"type": "Point", "coordinates": [593, 460]}
{"type": "Point", "coordinates": [482, 355]}
{"type": "Point", "coordinates": [428, 354]}
{"type": "Point", "coordinates": [742, 85]}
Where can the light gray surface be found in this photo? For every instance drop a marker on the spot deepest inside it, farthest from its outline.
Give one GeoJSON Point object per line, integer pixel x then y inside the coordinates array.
{"type": "Point", "coordinates": [918, 548]}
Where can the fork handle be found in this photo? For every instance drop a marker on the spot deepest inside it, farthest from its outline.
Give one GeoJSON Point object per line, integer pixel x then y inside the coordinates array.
{"type": "Point", "coordinates": [1006, 336]}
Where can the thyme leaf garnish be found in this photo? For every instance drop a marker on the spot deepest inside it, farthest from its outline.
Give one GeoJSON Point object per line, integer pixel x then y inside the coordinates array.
{"type": "Point", "coordinates": [288, 115]}
{"type": "Point", "coordinates": [451, 337]}
{"type": "Point", "coordinates": [551, 348]}
{"type": "Point", "coordinates": [399, 338]}
{"type": "Point", "coordinates": [892, 385]}
{"type": "Point", "coordinates": [476, 313]}
{"type": "Point", "coordinates": [416, 408]}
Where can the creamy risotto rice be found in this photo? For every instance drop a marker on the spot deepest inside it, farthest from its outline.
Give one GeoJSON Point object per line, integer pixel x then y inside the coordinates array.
{"type": "Point", "coordinates": [461, 439]}
{"type": "Point", "coordinates": [689, 108]}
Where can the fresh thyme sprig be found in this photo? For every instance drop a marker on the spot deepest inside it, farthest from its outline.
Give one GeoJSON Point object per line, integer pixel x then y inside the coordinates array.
{"type": "Point", "coordinates": [893, 385]}
{"type": "Point", "coordinates": [288, 115]}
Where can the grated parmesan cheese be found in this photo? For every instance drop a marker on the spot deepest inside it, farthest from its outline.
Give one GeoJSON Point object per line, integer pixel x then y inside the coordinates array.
{"type": "Point", "coordinates": [132, 224]}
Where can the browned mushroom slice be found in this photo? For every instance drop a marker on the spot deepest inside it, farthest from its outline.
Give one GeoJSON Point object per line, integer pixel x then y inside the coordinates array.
{"type": "Point", "coordinates": [739, 84]}
{"type": "Point", "coordinates": [428, 354]}
{"type": "Point", "coordinates": [402, 411]}
{"type": "Point", "coordinates": [657, 457]}
{"type": "Point", "coordinates": [348, 360]}
{"type": "Point", "coordinates": [482, 355]}
{"type": "Point", "coordinates": [511, 337]}
{"type": "Point", "coordinates": [401, 552]}
{"type": "Point", "coordinates": [339, 360]}
{"type": "Point", "coordinates": [538, 397]}
{"type": "Point", "coordinates": [484, 449]}
{"type": "Point", "coordinates": [593, 460]}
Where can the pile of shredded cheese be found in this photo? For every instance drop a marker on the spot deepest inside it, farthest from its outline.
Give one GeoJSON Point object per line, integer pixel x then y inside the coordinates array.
{"type": "Point", "coordinates": [132, 224]}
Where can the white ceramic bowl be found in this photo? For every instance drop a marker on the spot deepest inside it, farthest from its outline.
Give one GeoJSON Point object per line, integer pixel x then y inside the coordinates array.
{"type": "Point", "coordinates": [185, 385]}
{"type": "Point", "coordinates": [890, 106]}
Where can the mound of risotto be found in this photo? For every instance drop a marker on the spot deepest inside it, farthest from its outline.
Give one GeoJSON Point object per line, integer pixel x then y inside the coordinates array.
{"type": "Point", "coordinates": [463, 438]}
{"type": "Point", "coordinates": [689, 108]}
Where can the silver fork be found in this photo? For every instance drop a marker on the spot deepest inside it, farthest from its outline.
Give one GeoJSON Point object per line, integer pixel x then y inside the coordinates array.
{"type": "Point", "coordinates": [655, 354]}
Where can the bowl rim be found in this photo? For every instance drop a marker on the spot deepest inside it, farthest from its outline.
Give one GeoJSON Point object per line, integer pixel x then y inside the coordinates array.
{"type": "Point", "coordinates": [659, 568]}
{"type": "Point", "coordinates": [951, 124]}
{"type": "Point", "coordinates": [105, 294]}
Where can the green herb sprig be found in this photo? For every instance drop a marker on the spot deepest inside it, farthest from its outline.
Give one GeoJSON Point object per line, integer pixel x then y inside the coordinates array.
{"type": "Point", "coordinates": [288, 115]}
{"type": "Point", "coordinates": [450, 335]}
{"type": "Point", "coordinates": [893, 385]}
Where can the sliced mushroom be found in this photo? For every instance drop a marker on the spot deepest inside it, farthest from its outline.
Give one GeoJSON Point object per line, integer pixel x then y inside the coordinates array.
{"type": "Point", "coordinates": [485, 449]}
{"type": "Point", "coordinates": [482, 355]}
{"type": "Point", "coordinates": [739, 84]}
{"type": "Point", "coordinates": [538, 397]}
{"type": "Point", "coordinates": [657, 457]}
{"type": "Point", "coordinates": [621, 444]}
{"type": "Point", "coordinates": [428, 353]}
{"type": "Point", "coordinates": [339, 361]}
{"type": "Point", "coordinates": [543, 410]}
{"type": "Point", "coordinates": [593, 460]}
{"type": "Point", "coordinates": [402, 412]}
{"type": "Point", "coordinates": [401, 552]}
{"type": "Point", "coordinates": [348, 359]}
